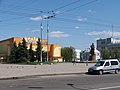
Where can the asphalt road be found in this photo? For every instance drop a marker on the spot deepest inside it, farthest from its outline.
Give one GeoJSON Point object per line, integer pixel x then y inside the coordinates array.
{"type": "Point", "coordinates": [64, 82]}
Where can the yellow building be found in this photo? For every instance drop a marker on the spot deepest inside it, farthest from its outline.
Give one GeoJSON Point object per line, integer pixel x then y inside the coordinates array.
{"type": "Point", "coordinates": [54, 50]}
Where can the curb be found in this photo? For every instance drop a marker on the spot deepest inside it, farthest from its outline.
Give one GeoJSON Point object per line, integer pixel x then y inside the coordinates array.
{"type": "Point", "coordinates": [33, 76]}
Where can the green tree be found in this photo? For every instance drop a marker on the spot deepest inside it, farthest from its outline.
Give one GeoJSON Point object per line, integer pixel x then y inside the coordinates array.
{"type": "Point", "coordinates": [19, 53]}
{"type": "Point", "coordinates": [13, 55]}
{"type": "Point", "coordinates": [68, 53]}
{"type": "Point", "coordinates": [31, 54]}
{"type": "Point", "coordinates": [38, 50]}
{"type": "Point", "coordinates": [118, 54]}
{"type": "Point", "coordinates": [24, 51]}
{"type": "Point", "coordinates": [44, 56]}
{"type": "Point", "coordinates": [74, 53]}
{"type": "Point", "coordinates": [105, 54]}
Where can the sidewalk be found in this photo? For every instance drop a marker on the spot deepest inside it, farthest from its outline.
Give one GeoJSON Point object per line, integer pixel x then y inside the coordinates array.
{"type": "Point", "coordinates": [8, 71]}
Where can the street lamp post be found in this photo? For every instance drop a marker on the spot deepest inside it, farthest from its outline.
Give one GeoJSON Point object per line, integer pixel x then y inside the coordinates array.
{"type": "Point", "coordinates": [47, 41]}
{"type": "Point", "coordinates": [49, 17]}
{"type": "Point", "coordinates": [41, 42]}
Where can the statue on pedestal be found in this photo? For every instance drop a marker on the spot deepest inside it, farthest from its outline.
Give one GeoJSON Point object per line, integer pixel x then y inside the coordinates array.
{"type": "Point", "coordinates": [92, 53]}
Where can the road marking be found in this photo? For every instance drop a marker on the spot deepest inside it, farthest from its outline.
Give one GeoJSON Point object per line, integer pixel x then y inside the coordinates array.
{"type": "Point", "coordinates": [106, 88]}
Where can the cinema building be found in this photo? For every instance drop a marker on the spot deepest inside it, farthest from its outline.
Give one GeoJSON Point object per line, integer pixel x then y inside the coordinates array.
{"type": "Point", "coordinates": [54, 50]}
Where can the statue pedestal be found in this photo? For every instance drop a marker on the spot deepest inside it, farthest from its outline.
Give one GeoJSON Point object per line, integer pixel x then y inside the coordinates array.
{"type": "Point", "coordinates": [94, 58]}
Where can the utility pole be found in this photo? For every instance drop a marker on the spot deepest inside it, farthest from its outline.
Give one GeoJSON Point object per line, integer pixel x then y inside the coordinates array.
{"type": "Point", "coordinates": [49, 17]}
{"type": "Point", "coordinates": [47, 41]}
{"type": "Point", "coordinates": [47, 32]}
{"type": "Point", "coordinates": [41, 42]}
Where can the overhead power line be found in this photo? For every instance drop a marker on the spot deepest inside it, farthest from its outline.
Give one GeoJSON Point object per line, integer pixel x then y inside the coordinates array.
{"type": "Point", "coordinates": [79, 6]}
{"type": "Point", "coordinates": [85, 4]}
{"type": "Point", "coordinates": [61, 7]}
{"type": "Point", "coordinates": [66, 5]}
{"type": "Point", "coordinates": [72, 21]}
{"type": "Point", "coordinates": [25, 14]}
{"type": "Point", "coordinates": [86, 22]}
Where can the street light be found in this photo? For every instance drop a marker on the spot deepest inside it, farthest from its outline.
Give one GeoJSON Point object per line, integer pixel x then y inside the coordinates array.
{"type": "Point", "coordinates": [41, 41]}
{"type": "Point", "coordinates": [47, 40]}
{"type": "Point", "coordinates": [48, 17]}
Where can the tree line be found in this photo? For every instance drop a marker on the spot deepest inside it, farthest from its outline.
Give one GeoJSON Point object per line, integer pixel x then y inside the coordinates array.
{"type": "Point", "coordinates": [107, 54]}
{"type": "Point", "coordinates": [68, 54]}
{"type": "Point", "coordinates": [21, 53]}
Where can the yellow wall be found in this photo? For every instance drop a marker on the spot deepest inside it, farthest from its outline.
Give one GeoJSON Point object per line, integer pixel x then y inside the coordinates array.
{"type": "Point", "coordinates": [4, 47]}
{"type": "Point", "coordinates": [17, 40]}
{"type": "Point", "coordinates": [57, 51]}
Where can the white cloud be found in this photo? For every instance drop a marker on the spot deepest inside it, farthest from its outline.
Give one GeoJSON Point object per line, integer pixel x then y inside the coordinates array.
{"type": "Point", "coordinates": [116, 33]}
{"type": "Point", "coordinates": [77, 27]}
{"type": "Point", "coordinates": [38, 18]}
{"type": "Point", "coordinates": [58, 34]}
{"type": "Point", "coordinates": [97, 33]}
{"type": "Point", "coordinates": [57, 12]}
{"type": "Point", "coordinates": [93, 33]}
{"type": "Point", "coordinates": [35, 31]}
{"type": "Point", "coordinates": [91, 11]}
{"type": "Point", "coordinates": [80, 18]}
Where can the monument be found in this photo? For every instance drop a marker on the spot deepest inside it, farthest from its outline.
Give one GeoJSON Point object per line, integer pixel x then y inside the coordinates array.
{"type": "Point", "coordinates": [92, 53]}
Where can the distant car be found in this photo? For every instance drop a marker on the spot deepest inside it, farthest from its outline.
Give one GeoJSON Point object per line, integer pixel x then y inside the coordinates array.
{"type": "Point", "coordinates": [105, 66]}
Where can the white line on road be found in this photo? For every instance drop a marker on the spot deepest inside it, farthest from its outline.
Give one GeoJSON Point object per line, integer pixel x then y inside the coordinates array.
{"type": "Point", "coordinates": [106, 88]}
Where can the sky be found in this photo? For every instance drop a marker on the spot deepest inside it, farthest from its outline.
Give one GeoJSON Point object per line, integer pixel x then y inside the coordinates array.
{"type": "Point", "coordinates": [76, 23]}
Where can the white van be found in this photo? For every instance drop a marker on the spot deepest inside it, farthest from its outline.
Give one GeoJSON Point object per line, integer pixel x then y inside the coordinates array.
{"type": "Point", "coordinates": [105, 66]}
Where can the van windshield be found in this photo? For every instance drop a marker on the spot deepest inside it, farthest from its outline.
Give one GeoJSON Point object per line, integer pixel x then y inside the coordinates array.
{"type": "Point", "coordinates": [100, 63]}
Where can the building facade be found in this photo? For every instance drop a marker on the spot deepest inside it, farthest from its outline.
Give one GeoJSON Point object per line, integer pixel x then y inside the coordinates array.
{"type": "Point", "coordinates": [109, 44]}
{"type": "Point", "coordinates": [85, 54]}
{"type": "Point", "coordinates": [54, 50]}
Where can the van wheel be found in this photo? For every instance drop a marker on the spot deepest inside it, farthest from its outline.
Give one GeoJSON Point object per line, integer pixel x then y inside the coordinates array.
{"type": "Point", "coordinates": [116, 71]}
{"type": "Point", "coordinates": [100, 72]}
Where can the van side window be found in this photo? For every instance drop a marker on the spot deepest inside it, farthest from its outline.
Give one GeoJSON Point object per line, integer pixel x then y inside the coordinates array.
{"type": "Point", "coordinates": [107, 64]}
{"type": "Point", "coordinates": [114, 63]}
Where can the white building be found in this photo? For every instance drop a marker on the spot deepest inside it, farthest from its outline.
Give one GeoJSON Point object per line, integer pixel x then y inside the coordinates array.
{"type": "Point", "coordinates": [98, 54]}
{"type": "Point", "coordinates": [85, 54]}
{"type": "Point", "coordinates": [108, 44]}
{"type": "Point", "coordinates": [77, 54]}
